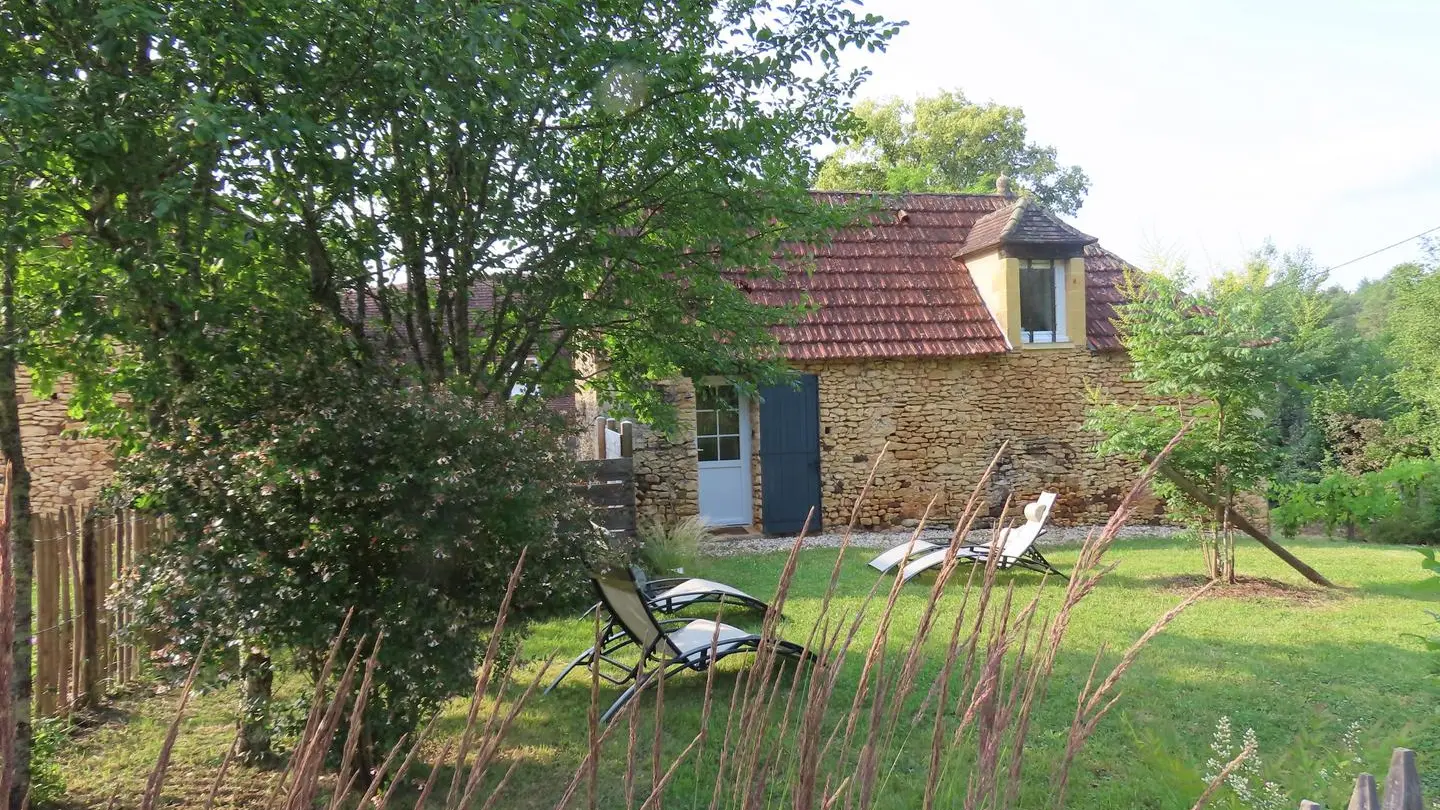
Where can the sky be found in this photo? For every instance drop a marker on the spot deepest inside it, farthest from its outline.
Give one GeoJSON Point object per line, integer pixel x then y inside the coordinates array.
{"type": "Point", "coordinates": [1208, 127]}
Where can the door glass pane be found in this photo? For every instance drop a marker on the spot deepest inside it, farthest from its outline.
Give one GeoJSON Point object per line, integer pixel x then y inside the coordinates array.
{"type": "Point", "coordinates": [729, 423]}
{"type": "Point", "coordinates": [729, 448]}
{"type": "Point", "coordinates": [708, 448]}
{"type": "Point", "coordinates": [704, 423]}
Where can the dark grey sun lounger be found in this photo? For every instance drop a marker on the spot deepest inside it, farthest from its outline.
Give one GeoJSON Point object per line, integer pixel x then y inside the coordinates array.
{"type": "Point", "coordinates": [666, 645]}
{"type": "Point", "coordinates": [671, 594]}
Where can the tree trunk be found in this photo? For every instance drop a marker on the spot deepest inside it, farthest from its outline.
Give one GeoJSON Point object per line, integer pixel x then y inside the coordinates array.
{"type": "Point", "coordinates": [1202, 497]}
{"type": "Point", "coordinates": [253, 747]}
{"type": "Point", "coordinates": [17, 560]}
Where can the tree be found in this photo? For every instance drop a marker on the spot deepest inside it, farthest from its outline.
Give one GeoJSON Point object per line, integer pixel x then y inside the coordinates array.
{"type": "Point", "coordinates": [1207, 352]}
{"type": "Point", "coordinates": [948, 143]}
{"type": "Point", "coordinates": [268, 198]}
{"type": "Point", "coordinates": [1331, 375]}
{"type": "Point", "coordinates": [18, 553]}
{"type": "Point", "coordinates": [1414, 347]}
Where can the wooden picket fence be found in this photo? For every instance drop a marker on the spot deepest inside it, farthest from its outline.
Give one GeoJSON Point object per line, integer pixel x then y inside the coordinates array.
{"type": "Point", "coordinates": [80, 558]}
{"type": "Point", "coordinates": [1402, 787]}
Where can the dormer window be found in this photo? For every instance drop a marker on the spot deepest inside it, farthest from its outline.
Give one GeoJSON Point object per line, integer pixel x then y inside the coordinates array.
{"type": "Point", "coordinates": [1042, 301]}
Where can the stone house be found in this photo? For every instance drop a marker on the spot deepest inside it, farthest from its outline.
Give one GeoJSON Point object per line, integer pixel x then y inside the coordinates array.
{"type": "Point", "coordinates": [942, 327]}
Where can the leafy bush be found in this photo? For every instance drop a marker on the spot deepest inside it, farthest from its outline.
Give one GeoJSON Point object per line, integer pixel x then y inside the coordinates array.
{"type": "Point", "coordinates": [670, 546]}
{"type": "Point", "coordinates": [47, 780]}
{"type": "Point", "coordinates": [1397, 504]}
{"type": "Point", "coordinates": [406, 505]}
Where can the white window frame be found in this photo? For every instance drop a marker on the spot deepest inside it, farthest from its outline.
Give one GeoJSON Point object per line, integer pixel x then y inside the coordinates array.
{"type": "Point", "coordinates": [742, 427]}
{"type": "Point", "coordinates": [1061, 333]}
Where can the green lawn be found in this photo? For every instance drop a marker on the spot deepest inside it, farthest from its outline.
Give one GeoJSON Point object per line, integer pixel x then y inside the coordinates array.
{"type": "Point", "coordinates": [1299, 668]}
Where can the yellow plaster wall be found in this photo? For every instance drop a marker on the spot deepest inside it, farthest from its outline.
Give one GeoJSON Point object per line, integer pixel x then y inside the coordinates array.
{"type": "Point", "coordinates": [1075, 324]}
{"type": "Point", "coordinates": [998, 280]}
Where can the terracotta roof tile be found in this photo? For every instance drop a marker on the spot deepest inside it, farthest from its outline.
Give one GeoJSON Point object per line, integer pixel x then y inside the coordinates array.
{"type": "Point", "coordinates": [1104, 288]}
{"type": "Point", "coordinates": [889, 286]}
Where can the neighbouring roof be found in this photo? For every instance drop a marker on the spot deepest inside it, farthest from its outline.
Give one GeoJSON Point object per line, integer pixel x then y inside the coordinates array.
{"type": "Point", "coordinates": [891, 286]}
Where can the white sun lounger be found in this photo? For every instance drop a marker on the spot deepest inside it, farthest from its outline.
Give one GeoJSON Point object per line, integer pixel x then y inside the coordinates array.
{"type": "Point", "coordinates": [1017, 546]}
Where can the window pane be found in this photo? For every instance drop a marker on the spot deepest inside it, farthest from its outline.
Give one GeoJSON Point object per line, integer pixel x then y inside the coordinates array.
{"type": "Point", "coordinates": [704, 423]}
{"type": "Point", "coordinates": [729, 423]}
{"type": "Point", "coordinates": [726, 396]}
{"type": "Point", "coordinates": [729, 448]}
{"type": "Point", "coordinates": [705, 398]}
{"type": "Point", "coordinates": [708, 448]}
{"type": "Point", "coordinates": [1037, 299]}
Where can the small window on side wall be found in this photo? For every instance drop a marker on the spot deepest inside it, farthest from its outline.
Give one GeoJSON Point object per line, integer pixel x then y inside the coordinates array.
{"type": "Point", "coordinates": [1042, 301]}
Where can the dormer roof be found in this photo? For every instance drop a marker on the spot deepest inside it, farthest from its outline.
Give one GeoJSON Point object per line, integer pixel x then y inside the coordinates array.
{"type": "Point", "coordinates": [1022, 223]}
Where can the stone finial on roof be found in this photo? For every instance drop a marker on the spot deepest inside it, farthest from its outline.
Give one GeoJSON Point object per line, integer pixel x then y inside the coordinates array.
{"type": "Point", "coordinates": [1002, 185]}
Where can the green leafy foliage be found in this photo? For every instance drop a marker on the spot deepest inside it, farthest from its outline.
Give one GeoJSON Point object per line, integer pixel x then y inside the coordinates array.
{"type": "Point", "coordinates": [947, 142]}
{"type": "Point", "coordinates": [47, 777]}
{"type": "Point", "coordinates": [1399, 503]}
{"type": "Point", "coordinates": [1209, 353]}
{"type": "Point", "coordinates": [595, 168]}
{"type": "Point", "coordinates": [408, 506]}
{"type": "Point", "coordinates": [1413, 326]}
{"type": "Point", "coordinates": [261, 235]}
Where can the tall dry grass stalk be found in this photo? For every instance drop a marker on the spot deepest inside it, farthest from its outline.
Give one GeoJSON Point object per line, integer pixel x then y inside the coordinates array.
{"type": "Point", "coordinates": [966, 677]}
{"type": "Point", "coordinates": [1214, 786]}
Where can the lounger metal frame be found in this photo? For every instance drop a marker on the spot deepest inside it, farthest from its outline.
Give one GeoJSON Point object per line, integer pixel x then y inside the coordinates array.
{"type": "Point", "coordinates": [660, 656]}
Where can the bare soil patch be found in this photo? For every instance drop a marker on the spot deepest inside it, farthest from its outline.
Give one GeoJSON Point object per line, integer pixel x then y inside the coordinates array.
{"type": "Point", "coordinates": [1249, 588]}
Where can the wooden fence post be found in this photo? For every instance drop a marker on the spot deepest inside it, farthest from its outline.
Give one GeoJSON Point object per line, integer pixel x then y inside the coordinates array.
{"type": "Point", "coordinates": [1365, 796]}
{"type": "Point", "coordinates": [44, 617]}
{"type": "Point", "coordinates": [627, 439]}
{"type": "Point", "coordinates": [72, 546]}
{"type": "Point", "coordinates": [89, 615]}
{"type": "Point", "coordinates": [599, 438]}
{"type": "Point", "coordinates": [1402, 783]}
{"type": "Point", "coordinates": [65, 625]}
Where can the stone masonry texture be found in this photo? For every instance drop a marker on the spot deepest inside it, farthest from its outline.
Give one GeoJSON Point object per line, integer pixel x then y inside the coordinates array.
{"type": "Point", "coordinates": [64, 470]}
{"type": "Point", "coordinates": [944, 419]}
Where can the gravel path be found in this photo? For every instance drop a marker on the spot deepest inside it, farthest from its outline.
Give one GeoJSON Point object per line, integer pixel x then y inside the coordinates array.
{"type": "Point", "coordinates": [730, 546]}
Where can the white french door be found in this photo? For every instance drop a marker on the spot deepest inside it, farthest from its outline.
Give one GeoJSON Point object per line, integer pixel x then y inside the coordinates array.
{"type": "Point", "coordinates": [722, 442]}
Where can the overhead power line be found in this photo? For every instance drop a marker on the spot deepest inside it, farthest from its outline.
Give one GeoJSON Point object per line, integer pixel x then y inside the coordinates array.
{"type": "Point", "coordinates": [1387, 247]}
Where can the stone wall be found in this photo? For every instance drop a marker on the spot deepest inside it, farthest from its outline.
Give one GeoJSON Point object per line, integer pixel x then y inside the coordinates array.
{"type": "Point", "coordinates": [64, 470]}
{"type": "Point", "coordinates": [944, 420]}
{"type": "Point", "coordinates": [667, 470]}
